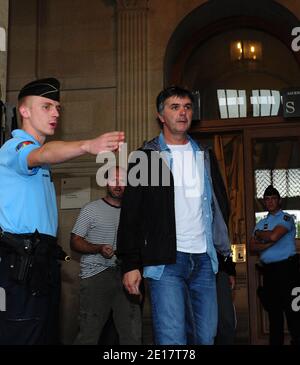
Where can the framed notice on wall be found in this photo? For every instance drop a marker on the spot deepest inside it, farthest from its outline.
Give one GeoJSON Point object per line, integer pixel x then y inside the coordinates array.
{"type": "Point", "coordinates": [291, 102]}
{"type": "Point", "coordinates": [75, 192]}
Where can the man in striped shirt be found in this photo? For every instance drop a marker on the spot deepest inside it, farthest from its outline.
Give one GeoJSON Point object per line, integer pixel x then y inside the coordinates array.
{"type": "Point", "coordinates": [101, 291]}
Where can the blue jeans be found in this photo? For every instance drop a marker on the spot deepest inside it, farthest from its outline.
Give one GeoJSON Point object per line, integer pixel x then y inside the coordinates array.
{"type": "Point", "coordinates": [184, 302]}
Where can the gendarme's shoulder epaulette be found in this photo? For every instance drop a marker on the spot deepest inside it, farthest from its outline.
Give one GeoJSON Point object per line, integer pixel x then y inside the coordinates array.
{"type": "Point", "coordinates": [286, 217]}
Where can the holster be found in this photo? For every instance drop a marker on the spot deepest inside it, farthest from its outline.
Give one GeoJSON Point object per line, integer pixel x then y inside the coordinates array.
{"type": "Point", "coordinates": [32, 259]}
{"type": "Point", "coordinates": [20, 266]}
{"type": "Point", "coordinates": [20, 252]}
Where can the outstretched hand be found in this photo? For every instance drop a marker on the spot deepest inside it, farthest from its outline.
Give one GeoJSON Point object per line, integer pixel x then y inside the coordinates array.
{"type": "Point", "coordinates": [110, 141]}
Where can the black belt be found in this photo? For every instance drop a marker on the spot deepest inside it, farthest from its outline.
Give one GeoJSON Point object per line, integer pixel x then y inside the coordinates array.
{"type": "Point", "coordinates": [26, 243]}
{"type": "Point", "coordinates": [35, 235]}
{"type": "Point", "coordinates": [290, 260]}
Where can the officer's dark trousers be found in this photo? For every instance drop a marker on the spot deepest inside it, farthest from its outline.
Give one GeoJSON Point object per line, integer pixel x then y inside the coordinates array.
{"type": "Point", "coordinates": [29, 318]}
{"type": "Point", "coordinates": [279, 279]}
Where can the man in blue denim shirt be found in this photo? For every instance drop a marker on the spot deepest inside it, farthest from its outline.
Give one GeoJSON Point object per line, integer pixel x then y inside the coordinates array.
{"type": "Point", "coordinates": [171, 225]}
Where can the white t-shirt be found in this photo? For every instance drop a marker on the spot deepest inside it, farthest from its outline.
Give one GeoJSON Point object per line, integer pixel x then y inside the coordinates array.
{"type": "Point", "coordinates": [188, 186]}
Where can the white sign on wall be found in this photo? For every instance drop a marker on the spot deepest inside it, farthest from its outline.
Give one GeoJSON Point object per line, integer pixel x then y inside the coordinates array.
{"type": "Point", "coordinates": [75, 192]}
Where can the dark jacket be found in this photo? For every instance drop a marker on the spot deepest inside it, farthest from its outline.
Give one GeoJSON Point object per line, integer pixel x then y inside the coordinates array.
{"type": "Point", "coordinates": [147, 231]}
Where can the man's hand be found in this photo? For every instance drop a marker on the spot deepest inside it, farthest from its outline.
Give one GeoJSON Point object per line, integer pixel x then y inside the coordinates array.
{"type": "Point", "coordinates": [106, 250]}
{"type": "Point", "coordinates": [257, 246]}
{"type": "Point", "coordinates": [231, 280]}
{"type": "Point", "coordinates": [110, 141]}
{"type": "Point", "coordinates": [131, 281]}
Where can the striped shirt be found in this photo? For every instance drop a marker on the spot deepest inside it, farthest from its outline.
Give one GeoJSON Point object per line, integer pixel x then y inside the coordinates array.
{"type": "Point", "coordinates": [97, 223]}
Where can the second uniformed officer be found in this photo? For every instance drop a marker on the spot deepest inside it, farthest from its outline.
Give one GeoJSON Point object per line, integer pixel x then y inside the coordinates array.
{"type": "Point", "coordinates": [274, 239]}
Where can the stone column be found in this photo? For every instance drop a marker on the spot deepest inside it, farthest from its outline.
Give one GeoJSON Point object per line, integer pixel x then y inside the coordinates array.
{"type": "Point", "coordinates": [132, 71]}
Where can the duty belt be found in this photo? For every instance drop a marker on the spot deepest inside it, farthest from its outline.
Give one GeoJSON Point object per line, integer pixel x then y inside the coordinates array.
{"type": "Point", "coordinates": [30, 257]}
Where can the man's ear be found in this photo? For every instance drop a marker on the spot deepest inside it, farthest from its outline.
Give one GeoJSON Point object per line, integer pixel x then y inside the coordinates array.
{"type": "Point", "coordinates": [24, 111]}
{"type": "Point", "coordinates": [161, 118]}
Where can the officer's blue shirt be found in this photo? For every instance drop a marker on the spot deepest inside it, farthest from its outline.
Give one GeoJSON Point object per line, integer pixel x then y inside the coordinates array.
{"type": "Point", "coordinates": [27, 196]}
{"type": "Point", "coordinates": [286, 245]}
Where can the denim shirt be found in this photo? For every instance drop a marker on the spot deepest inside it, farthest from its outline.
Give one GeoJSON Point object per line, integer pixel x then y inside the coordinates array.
{"type": "Point", "coordinates": [155, 272]}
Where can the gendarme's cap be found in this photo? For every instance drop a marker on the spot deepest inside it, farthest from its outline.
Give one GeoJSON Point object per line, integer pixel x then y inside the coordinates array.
{"type": "Point", "coordinates": [48, 88]}
{"type": "Point", "coordinates": [270, 190]}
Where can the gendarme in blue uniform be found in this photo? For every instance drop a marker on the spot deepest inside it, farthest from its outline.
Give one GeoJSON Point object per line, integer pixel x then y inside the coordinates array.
{"type": "Point", "coordinates": [27, 196]}
{"type": "Point", "coordinates": [283, 248]}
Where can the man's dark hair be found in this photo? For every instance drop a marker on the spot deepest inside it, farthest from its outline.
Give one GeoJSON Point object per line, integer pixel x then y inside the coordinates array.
{"type": "Point", "coordinates": [270, 190]}
{"type": "Point", "coordinates": [167, 93]}
{"type": "Point", "coordinates": [171, 91]}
